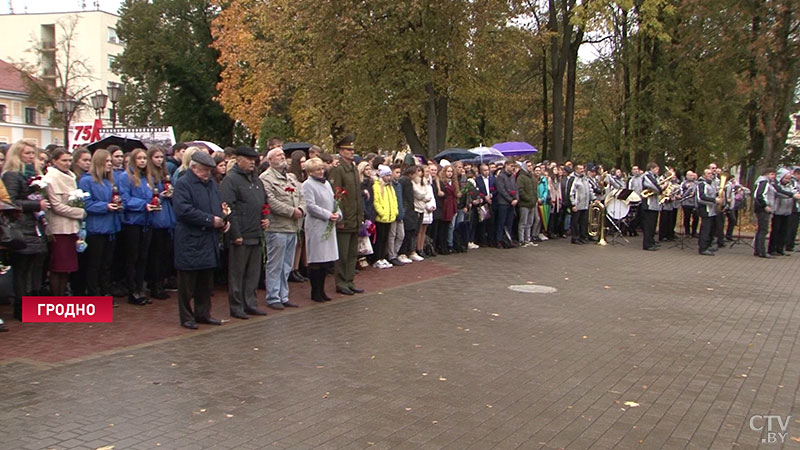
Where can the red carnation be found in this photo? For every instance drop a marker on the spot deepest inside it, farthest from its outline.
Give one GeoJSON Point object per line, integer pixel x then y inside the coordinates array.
{"type": "Point", "coordinates": [491, 188]}
{"type": "Point", "coordinates": [265, 210]}
{"type": "Point", "coordinates": [513, 193]}
{"type": "Point", "coordinates": [289, 189]}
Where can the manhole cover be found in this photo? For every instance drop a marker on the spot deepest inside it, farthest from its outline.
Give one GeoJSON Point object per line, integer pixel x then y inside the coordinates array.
{"type": "Point", "coordinates": [532, 288]}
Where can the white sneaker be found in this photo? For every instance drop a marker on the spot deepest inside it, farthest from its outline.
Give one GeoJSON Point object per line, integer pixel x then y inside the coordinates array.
{"type": "Point", "coordinates": [378, 264]}
{"type": "Point", "coordinates": [404, 259]}
{"type": "Point", "coordinates": [386, 264]}
{"type": "Point", "coordinates": [543, 237]}
{"type": "Point", "coordinates": [415, 257]}
{"type": "Point", "coordinates": [472, 246]}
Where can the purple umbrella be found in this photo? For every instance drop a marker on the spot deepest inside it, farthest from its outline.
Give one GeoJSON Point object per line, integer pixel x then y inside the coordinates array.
{"type": "Point", "coordinates": [515, 148]}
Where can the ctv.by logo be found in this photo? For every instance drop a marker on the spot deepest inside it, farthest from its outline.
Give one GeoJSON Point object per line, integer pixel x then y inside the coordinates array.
{"type": "Point", "coordinates": [776, 427]}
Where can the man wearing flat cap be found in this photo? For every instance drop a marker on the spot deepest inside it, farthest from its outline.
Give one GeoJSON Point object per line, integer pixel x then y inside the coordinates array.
{"type": "Point", "coordinates": [198, 211]}
{"type": "Point", "coordinates": [244, 194]}
{"type": "Point", "coordinates": [345, 176]}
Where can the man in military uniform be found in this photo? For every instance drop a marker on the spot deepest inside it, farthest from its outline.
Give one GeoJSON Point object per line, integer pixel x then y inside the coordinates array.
{"type": "Point", "coordinates": [345, 176]}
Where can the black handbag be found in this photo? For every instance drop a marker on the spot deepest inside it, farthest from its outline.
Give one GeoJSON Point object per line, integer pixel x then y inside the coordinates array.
{"type": "Point", "coordinates": [10, 238]}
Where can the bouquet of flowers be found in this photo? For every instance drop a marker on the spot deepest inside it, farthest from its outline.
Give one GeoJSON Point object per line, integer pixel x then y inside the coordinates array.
{"type": "Point", "coordinates": [80, 244]}
{"type": "Point", "coordinates": [77, 198]}
{"type": "Point", "coordinates": [264, 215]}
{"type": "Point", "coordinates": [36, 191]}
{"type": "Point", "coordinates": [338, 195]}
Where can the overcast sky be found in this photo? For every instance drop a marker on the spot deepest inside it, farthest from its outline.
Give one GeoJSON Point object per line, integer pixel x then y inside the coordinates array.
{"type": "Point", "coordinates": [42, 6]}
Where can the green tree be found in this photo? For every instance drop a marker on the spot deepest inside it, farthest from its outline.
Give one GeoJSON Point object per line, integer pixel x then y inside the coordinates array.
{"type": "Point", "coordinates": [170, 69]}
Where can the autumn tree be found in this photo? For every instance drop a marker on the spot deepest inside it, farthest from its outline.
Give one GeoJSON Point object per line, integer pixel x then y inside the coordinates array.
{"type": "Point", "coordinates": [170, 68]}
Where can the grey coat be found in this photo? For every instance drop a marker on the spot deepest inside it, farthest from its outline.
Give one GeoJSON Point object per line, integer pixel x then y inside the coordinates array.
{"type": "Point", "coordinates": [319, 201]}
{"type": "Point", "coordinates": [580, 195]}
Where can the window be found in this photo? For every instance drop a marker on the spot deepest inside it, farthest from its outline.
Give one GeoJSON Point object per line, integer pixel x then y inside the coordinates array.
{"type": "Point", "coordinates": [111, 60]}
{"type": "Point", "coordinates": [112, 35]}
{"type": "Point", "coordinates": [30, 116]}
{"type": "Point", "coordinates": [3, 112]}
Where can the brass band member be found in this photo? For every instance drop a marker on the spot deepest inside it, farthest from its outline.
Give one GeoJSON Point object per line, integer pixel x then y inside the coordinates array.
{"type": "Point", "coordinates": [707, 209]}
{"type": "Point", "coordinates": [650, 207]}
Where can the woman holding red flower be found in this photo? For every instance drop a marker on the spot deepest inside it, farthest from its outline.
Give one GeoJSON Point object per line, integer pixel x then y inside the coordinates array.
{"type": "Point", "coordinates": [322, 205]}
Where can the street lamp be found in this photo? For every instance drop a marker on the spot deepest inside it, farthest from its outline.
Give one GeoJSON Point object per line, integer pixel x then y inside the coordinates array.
{"type": "Point", "coordinates": [114, 91]}
{"type": "Point", "coordinates": [66, 106]}
{"type": "Point", "coordinates": [99, 100]}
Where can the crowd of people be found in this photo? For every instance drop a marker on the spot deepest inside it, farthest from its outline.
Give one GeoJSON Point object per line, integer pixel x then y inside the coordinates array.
{"type": "Point", "coordinates": [137, 224]}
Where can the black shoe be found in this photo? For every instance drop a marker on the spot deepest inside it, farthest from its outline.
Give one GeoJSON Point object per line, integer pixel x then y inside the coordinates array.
{"type": "Point", "coordinates": [255, 312]}
{"type": "Point", "coordinates": [278, 306]}
{"type": "Point", "coordinates": [577, 241]}
{"type": "Point", "coordinates": [160, 295]}
{"type": "Point", "coordinates": [768, 256]}
{"type": "Point", "coordinates": [325, 297]}
{"type": "Point", "coordinates": [291, 305]}
{"type": "Point", "coordinates": [713, 249]}
{"type": "Point", "coordinates": [651, 249]}
{"type": "Point", "coordinates": [239, 315]}
{"type": "Point", "coordinates": [209, 321]}
{"type": "Point", "coordinates": [190, 324]}
{"type": "Point", "coordinates": [356, 290]}
{"type": "Point", "coordinates": [396, 262]}
{"type": "Point", "coordinates": [706, 253]}
{"type": "Point", "coordinates": [345, 291]}
{"type": "Point", "coordinates": [295, 277]}
{"type": "Point", "coordinates": [784, 254]}
{"type": "Point", "coordinates": [138, 301]}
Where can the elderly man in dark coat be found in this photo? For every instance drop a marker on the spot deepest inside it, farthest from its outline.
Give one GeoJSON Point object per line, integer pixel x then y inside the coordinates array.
{"type": "Point", "coordinates": [244, 193]}
{"type": "Point", "coordinates": [198, 210]}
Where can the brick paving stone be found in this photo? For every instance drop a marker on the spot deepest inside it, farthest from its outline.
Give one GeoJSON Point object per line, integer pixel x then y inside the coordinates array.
{"type": "Point", "coordinates": [438, 354]}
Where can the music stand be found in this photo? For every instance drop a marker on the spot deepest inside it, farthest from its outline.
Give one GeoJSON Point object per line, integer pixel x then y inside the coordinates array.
{"type": "Point", "coordinates": [739, 239]}
{"type": "Point", "coordinates": [614, 235]}
{"type": "Point", "coordinates": [681, 242]}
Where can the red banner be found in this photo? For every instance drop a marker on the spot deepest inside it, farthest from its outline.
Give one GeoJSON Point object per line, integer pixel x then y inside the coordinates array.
{"type": "Point", "coordinates": [68, 309]}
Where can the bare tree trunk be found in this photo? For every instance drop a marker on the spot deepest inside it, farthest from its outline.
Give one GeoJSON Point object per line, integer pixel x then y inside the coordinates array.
{"type": "Point", "coordinates": [545, 119]}
{"type": "Point", "coordinates": [626, 99]}
{"type": "Point", "coordinates": [431, 110]}
{"type": "Point", "coordinates": [441, 123]}
{"type": "Point", "coordinates": [569, 112]}
{"type": "Point", "coordinates": [412, 138]}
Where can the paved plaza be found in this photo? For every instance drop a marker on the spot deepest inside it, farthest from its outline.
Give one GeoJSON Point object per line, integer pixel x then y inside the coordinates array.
{"type": "Point", "coordinates": [634, 349]}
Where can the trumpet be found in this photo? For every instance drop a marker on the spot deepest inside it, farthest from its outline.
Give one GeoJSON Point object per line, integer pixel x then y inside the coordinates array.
{"type": "Point", "coordinates": [647, 193]}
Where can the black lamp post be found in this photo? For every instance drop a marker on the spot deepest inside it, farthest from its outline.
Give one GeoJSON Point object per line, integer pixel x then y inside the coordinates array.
{"type": "Point", "coordinates": [66, 106]}
{"type": "Point", "coordinates": [99, 100]}
{"type": "Point", "coordinates": [114, 91]}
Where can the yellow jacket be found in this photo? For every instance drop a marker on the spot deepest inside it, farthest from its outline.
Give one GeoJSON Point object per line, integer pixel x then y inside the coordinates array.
{"type": "Point", "coordinates": [385, 201]}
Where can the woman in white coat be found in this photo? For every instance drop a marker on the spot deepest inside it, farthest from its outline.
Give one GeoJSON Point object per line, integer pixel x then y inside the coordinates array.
{"type": "Point", "coordinates": [321, 246]}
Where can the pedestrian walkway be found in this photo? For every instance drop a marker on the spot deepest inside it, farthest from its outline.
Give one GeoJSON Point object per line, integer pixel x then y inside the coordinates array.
{"type": "Point", "coordinates": [634, 349]}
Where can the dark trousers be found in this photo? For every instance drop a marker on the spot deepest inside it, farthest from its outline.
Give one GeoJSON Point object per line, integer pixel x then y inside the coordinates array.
{"type": "Point", "coordinates": [707, 226]}
{"type": "Point", "coordinates": [348, 256]}
{"type": "Point", "coordinates": [579, 225]}
{"type": "Point", "coordinates": [719, 229]}
{"type": "Point", "coordinates": [158, 258]}
{"type": "Point", "coordinates": [485, 232]}
{"type": "Point", "coordinates": [760, 242]}
{"type": "Point", "coordinates": [778, 234]}
{"type": "Point", "coordinates": [78, 280]}
{"type": "Point", "coordinates": [137, 247]}
{"type": "Point", "coordinates": [505, 222]}
{"type": "Point", "coordinates": [99, 258]}
{"type": "Point", "coordinates": [554, 224]}
{"type": "Point", "coordinates": [649, 219]}
{"type": "Point", "coordinates": [733, 219]}
{"type": "Point", "coordinates": [663, 224]}
{"type": "Point", "coordinates": [440, 241]}
{"type": "Point", "coordinates": [197, 285]}
{"type": "Point", "coordinates": [791, 231]}
{"type": "Point", "coordinates": [244, 271]}
{"type": "Point", "coordinates": [381, 238]}
{"type": "Point", "coordinates": [690, 220]}
{"type": "Point", "coordinates": [21, 267]}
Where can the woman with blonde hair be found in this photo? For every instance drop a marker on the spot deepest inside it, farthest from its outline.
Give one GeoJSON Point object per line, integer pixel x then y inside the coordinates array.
{"type": "Point", "coordinates": [187, 158]}
{"type": "Point", "coordinates": [18, 172]}
{"type": "Point", "coordinates": [103, 222]}
{"type": "Point", "coordinates": [137, 200]}
{"type": "Point", "coordinates": [447, 183]}
{"type": "Point", "coordinates": [322, 213]}
{"type": "Point", "coordinates": [63, 221]}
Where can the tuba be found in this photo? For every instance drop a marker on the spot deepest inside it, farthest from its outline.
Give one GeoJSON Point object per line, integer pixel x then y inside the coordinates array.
{"type": "Point", "coordinates": [597, 219]}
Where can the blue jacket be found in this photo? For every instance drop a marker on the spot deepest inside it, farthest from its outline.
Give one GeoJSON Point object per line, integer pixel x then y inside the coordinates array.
{"type": "Point", "coordinates": [99, 220]}
{"type": "Point", "coordinates": [116, 174]}
{"type": "Point", "coordinates": [135, 200]}
{"type": "Point", "coordinates": [166, 217]}
{"type": "Point", "coordinates": [196, 203]}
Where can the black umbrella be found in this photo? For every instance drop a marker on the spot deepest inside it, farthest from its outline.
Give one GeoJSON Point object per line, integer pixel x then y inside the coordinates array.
{"type": "Point", "coordinates": [454, 154]}
{"type": "Point", "coordinates": [123, 142]}
{"type": "Point", "coordinates": [291, 147]}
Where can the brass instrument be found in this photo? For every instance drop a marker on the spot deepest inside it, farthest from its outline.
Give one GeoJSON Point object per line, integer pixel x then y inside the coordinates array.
{"type": "Point", "coordinates": [597, 221]}
{"type": "Point", "coordinates": [647, 193]}
{"type": "Point", "coordinates": [723, 179]}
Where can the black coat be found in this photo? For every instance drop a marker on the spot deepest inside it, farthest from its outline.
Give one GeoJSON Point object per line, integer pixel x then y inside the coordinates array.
{"type": "Point", "coordinates": [196, 202]}
{"type": "Point", "coordinates": [410, 217]}
{"type": "Point", "coordinates": [18, 189]}
{"type": "Point", "coordinates": [245, 195]}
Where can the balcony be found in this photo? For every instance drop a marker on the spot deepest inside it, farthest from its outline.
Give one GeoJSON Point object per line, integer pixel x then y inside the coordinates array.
{"type": "Point", "coordinates": [48, 46]}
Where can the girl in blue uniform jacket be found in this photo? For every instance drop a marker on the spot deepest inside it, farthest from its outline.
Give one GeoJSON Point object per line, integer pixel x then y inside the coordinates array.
{"type": "Point", "coordinates": [103, 222]}
{"type": "Point", "coordinates": [162, 223]}
{"type": "Point", "coordinates": [137, 195]}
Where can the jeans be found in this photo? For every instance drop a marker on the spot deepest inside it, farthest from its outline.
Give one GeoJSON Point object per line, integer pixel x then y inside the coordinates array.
{"type": "Point", "coordinates": [280, 257]}
{"type": "Point", "coordinates": [760, 241]}
{"type": "Point", "coordinates": [505, 220]}
{"type": "Point", "coordinates": [450, 228]}
{"type": "Point", "coordinates": [525, 223]}
{"type": "Point", "coordinates": [397, 233]}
